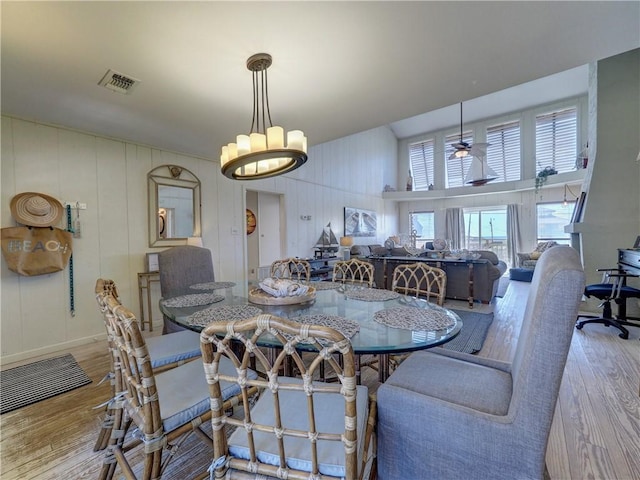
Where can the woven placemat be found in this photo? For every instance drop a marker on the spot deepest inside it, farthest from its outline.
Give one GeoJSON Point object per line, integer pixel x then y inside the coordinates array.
{"type": "Point", "coordinates": [326, 285]}
{"type": "Point", "coordinates": [222, 314]}
{"type": "Point", "coordinates": [346, 327]}
{"type": "Point", "coordinates": [411, 318]}
{"type": "Point", "coordinates": [371, 294]}
{"type": "Point", "coordinates": [192, 300]}
{"type": "Point", "coordinates": [212, 285]}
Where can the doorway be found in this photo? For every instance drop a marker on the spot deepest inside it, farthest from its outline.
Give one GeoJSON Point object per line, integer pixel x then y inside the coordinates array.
{"type": "Point", "coordinates": [265, 242]}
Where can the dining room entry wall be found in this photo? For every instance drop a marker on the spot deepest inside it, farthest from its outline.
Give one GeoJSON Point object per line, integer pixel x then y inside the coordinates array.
{"type": "Point", "coordinates": [110, 177]}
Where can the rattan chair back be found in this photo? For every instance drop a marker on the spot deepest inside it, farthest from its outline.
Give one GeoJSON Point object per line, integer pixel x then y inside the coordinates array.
{"type": "Point", "coordinates": [218, 338]}
{"type": "Point", "coordinates": [420, 280]}
{"type": "Point", "coordinates": [293, 268]}
{"type": "Point", "coordinates": [105, 289]}
{"type": "Point", "coordinates": [353, 271]}
{"type": "Point", "coordinates": [140, 402]}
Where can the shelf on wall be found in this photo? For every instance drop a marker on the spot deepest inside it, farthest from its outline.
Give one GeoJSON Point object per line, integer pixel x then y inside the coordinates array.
{"type": "Point", "coordinates": [572, 178]}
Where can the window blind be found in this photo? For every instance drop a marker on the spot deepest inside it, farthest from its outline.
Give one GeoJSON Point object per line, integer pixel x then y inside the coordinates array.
{"type": "Point", "coordinates": [456, 167]}
{"type": "Point", "coordinates": [503, 153]}
{"type": "Point", "coordinates": [556, 140]}
{"type": "Point", "coordinates": [421, 161]}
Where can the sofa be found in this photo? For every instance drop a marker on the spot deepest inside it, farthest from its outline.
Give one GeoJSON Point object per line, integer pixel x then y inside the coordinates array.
{"type": "Point", "coordinates": [529, 260]}
{"type": "Point", "coordinates": [487, 270]}
{"type": "Point", "coordinates": [486, 278]}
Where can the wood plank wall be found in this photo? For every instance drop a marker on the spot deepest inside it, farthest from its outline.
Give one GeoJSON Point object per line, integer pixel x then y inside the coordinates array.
{"type": "Point", "coordinates": [110, 177]}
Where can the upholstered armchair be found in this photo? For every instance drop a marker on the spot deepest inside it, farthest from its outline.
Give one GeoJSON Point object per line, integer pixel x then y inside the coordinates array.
{"type": "Point", "coordinates": [449, 415]}
{"type": "Point", "coordinates": [529, 260]}
{"type": "Point", "coordinates": [180, 267]}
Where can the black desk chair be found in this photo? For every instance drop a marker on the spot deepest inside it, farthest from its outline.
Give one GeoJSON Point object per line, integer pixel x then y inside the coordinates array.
{"type": "Point", "coordinates": [612, 289]}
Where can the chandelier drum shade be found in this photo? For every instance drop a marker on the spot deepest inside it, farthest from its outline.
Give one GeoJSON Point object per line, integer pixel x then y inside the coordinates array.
{"type": "Point", "coordinates": [263, 152]}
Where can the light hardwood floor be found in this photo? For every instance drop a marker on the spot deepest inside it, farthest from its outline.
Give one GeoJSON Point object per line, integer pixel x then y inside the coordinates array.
{"type": "Point", "coordinates": [595, 433]}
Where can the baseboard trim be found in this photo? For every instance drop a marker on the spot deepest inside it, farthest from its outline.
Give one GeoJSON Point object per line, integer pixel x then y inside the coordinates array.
{"type": "Point", "coordinates": [29, 354]}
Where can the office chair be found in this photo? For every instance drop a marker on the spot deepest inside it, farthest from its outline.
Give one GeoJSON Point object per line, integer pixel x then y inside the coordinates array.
{"type": "Point", "coordinates": [613, 288]}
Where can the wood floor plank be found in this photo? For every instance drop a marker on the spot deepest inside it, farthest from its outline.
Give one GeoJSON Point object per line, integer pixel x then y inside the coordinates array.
{"type": "Point", "coordinates": [594, 434]}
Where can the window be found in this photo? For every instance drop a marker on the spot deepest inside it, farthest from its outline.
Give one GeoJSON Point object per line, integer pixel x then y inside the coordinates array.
{"type": "Point", "coordinates": [423, 224]}
{"type": "Point", "coordinates": [486, 229]}
{"type": "Point", "coordinates": [503, 152]}
{"type": "Point", "coordinates": [556, 140]}
{"type": "Point", "coordinates": [457, 168]}
{"type": "Point", "coordinates": [421, 161]}
{"type": "Point", "coordinates": [551, 219]}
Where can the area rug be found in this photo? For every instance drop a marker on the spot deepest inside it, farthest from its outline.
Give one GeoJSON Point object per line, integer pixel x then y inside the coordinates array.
{"type": "Point", "coordinates": [27, 384]}
{"type": "Point", "coordinates": [474, 331]}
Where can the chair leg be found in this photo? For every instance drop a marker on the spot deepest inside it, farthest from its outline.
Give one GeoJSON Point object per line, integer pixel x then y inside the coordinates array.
{"type": "Point", "coordinates": [609, 322]}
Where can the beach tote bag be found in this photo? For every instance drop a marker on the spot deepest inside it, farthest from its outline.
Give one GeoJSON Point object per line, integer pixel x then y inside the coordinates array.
{"type": "Point", "coordinates": [33, 251]}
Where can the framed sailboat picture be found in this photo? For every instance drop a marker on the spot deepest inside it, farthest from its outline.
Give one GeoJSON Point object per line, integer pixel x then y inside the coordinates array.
{"type": "Point", "coordinates": [359, 222]}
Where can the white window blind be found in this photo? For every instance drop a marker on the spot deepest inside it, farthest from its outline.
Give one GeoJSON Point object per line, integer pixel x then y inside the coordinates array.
{"type": "Point", "coordinates": [456, 167]}
{"type": "Point", "coordinates": [503, 153]}
{"type": "Point", "coordinates": [421, 160]}
{"type": "Point", "coordinates": [556, 140]}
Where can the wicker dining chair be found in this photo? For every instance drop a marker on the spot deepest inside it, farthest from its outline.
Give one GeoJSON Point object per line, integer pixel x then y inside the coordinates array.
{"type": "Point", "coordinates": [420, 280]}
{"type": "Point", "coordinates": [353, 271]}
{"type": "Point", "coordinates": [165, 407]}
{"type": "Point", "coordinates": [294, 268]}
{"type": "Point", "coordinates": [166, 351]}
{"type": "Point", "coordinates": [298, 428]}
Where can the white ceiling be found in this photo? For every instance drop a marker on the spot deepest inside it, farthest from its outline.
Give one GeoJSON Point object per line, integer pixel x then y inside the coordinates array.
{"type": "Point", "coordinates": [338, 67]}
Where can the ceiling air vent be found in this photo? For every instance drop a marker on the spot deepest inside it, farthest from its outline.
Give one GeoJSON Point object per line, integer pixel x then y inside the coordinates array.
{"type": "Point", "coordinates": [118, 82]}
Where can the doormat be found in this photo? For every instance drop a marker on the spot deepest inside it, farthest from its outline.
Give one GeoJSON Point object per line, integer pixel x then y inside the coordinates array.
{"type": "Point", "coordinates": [475, 327]}
{"type": "Point", "coordinates": [31, 383]}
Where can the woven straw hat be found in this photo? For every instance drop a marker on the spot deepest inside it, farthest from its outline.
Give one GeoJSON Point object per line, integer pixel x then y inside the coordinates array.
{"type": "Point", "coordinates": [36, 209]}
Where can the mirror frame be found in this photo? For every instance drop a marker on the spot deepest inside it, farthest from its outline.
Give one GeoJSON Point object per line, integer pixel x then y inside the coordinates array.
{"type": "Point", "coordinates": [171, 176]}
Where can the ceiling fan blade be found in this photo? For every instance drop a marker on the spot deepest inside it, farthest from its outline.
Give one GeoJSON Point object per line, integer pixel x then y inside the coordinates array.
{"type": "Point", "coordinates": [452, 156]}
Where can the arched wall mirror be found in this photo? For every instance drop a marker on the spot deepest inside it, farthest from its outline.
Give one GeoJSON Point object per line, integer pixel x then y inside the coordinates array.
{"type": "Point", "coordinates": [174, 206]}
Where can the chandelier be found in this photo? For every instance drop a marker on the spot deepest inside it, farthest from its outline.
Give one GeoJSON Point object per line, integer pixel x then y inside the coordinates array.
{"type": "Point", "coordinates": [263, 152]}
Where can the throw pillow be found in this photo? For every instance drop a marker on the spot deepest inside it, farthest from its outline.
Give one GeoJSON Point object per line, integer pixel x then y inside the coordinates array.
{"type": "Point", "coordinates": [534, 255]}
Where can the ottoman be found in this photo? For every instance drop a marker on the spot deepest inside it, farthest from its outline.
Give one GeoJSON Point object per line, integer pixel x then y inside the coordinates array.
{"type": "Point", "coordinates": [521, 274]}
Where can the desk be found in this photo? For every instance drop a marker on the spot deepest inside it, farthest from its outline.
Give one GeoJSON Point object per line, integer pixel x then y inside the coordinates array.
{"type": "Point", "coordinates": [144, 283]}
{"type": "Point", "coordinates": [373, 337]}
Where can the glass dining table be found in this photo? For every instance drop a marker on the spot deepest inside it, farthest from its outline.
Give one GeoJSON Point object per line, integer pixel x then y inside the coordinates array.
{"type": "Point", "coordinates": [378, 322]}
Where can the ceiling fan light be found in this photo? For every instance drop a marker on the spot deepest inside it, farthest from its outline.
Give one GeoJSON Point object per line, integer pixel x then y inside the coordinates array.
{"type": "Point", "coordinates": [461, 153]}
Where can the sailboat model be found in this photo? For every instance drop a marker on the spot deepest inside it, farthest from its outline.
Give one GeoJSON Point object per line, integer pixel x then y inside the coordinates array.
{"type": "Point", "coordinates": [479, 172]}
{"type": "Point", "coordinates": [327, 242]}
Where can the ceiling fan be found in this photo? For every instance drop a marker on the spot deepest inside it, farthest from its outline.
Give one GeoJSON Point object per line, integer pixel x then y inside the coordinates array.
{"type": "Point", "coordinates": [462, 148]}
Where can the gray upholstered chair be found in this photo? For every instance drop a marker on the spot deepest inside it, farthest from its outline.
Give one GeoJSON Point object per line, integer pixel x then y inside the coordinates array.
{"type": "Point", "coordinates": [180, 267]}
{"type": "Point", "coordinates": [453, 415]}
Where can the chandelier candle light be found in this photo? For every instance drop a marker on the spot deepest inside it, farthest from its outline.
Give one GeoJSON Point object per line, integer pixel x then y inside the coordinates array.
{"type": "Point", "coordinates": [262, 153]}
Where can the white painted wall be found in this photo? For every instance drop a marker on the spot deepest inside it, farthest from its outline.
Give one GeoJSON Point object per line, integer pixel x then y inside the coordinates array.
{"type": "Point", "coordinates": [612, 208]}
{"type": "Point", "coordinates": [110, 177]}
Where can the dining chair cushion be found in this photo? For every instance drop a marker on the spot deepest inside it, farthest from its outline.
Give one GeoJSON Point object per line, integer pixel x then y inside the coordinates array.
{"type": "Point", "coordinates": [184, 393]}
{"type": "Point", "coordinates": [456, 381]}
{"type": "Point", "coordinates": [172, 348]}
{"type": "Point", "coordinates": [329, 410]}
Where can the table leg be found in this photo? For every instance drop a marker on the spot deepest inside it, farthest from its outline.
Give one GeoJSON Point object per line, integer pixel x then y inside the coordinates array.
{"type": "Point", "coordinates": [149, 306]}
{"type": "Point", "coordinates": [140, 287]}
{"type": "Point", "coordinates": [383, 367]}
{"type": "Point", "coordinates": [470, 285]}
